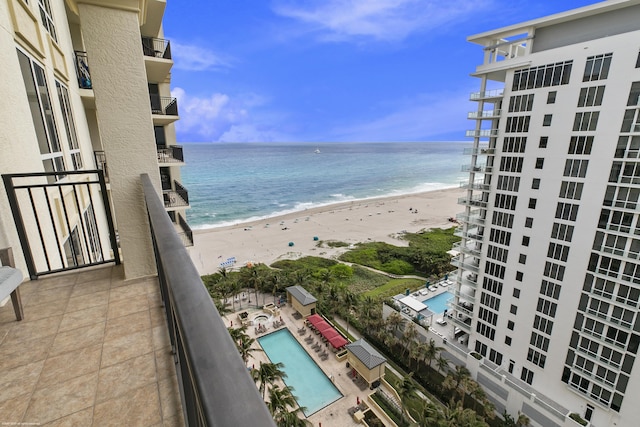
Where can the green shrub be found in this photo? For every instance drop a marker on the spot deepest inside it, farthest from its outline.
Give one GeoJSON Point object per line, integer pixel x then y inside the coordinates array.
{"type": "Point", "coordinates": [577, 418]}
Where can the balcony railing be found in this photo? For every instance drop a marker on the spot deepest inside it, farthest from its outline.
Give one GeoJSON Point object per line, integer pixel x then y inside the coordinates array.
{"type": "Point", "coordinates": [158, 48]}
{"type": "Point", "coordinates": [176, 198]}
{"type": "Point", "coordinates": [170, 154]}
{"type": "Point", "coordinates": [481, 168]}
{"type": "Point", "coordinates": [490, 114]}
{"type": "Point", "coordinates": [82, 70]}
{"type": "Point", "coordinates": [496, 93]}
{"type": "Point", "coordinates": [101, 163]}
{"type": "Point", "coordinates": [69, 220]}
{"type": "Point", "coordinates": [473, 218]}
{"type": "Point", "coordinates": [479, 150]}
{"type": "Point", "coordinates": [482, 133]}
{"type": "Point", "coordinates": [165, 105]}
{"type": "Point", "coordinates": [465, 264]}
{"type": "Point", "coordinates": [186, 235]}
{"type": "Point", "coordinates": [215, 385]}
{"type": "Point", "coordinates": [476, 185]}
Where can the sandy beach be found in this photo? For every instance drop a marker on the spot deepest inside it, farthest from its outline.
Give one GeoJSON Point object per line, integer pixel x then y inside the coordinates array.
{"type": "Point", "coordinates": [268, 240]}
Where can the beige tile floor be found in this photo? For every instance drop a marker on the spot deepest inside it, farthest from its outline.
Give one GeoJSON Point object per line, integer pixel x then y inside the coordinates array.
{"type": "Point", "coordinates": [93, 349]}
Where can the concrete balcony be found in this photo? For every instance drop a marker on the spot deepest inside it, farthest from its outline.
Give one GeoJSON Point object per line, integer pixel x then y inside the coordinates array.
{"type": "Point", "coordinates": [484, 150]}
{"type": "Point", "coordinates": [482, 133]}
{"type": "Point", "coordinates": [494, 95]}
{"type": "Point", "coordinates": [484, 115]}
{"type": "Point", "coordinates": [93, 349]}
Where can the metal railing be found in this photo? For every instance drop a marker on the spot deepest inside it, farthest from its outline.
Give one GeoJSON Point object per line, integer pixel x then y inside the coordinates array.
{"type": "Point", "coordinates": [170, 154]}
{"type": "Point", "coordinates": [64, 217]}
{"type": "Point", "coordinates": [101, 163]}
{"type": "Point", "coordinates": [176, 198]}
{"type": "Point", "coordinates": [165, 105]}
{"type": "Point", "coordinates": [82, 70]}
{"type": "Point", "coordinates": [215, 386]}
{"type": "Point", "coordinates": [186, 235]}
{"type": "Point", "coordinates": [158, 48]}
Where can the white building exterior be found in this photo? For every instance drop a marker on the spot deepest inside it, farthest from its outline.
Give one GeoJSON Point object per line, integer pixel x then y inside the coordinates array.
{"type": "Point", "coordinates": [550, 251]}
{"type": "Point", "coordinates": [86, 85]}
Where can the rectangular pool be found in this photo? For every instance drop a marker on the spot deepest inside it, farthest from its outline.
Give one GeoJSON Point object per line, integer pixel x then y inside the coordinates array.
{"type": "Point", "coordinates": [312, 388]}
{"type": "Point", "coordinates": [438, 304]}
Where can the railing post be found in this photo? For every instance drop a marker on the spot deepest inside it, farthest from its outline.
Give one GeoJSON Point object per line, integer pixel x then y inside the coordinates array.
{"type": "Point", "coordinates": [20, 228]}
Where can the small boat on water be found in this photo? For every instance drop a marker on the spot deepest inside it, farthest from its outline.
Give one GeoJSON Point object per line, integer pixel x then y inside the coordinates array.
{"type": "Point", "coordinates": [317, 151]}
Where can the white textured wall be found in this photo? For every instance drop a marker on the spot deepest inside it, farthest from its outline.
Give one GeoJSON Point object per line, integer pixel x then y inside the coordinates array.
{"type": "Point", "coordinates": [113, 44]}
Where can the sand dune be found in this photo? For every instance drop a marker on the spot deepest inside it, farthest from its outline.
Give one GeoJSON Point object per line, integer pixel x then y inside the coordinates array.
{"type": "Point", "coordinates": [268, 240]}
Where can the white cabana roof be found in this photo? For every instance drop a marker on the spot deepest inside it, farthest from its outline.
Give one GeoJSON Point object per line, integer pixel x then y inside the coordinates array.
{"type": "Point", "coordinates": [413, 303]}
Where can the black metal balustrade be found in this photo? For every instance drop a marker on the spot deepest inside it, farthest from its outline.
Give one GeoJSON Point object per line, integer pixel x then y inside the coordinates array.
{"type": "Point", "coordinates": [170, 154]}
{"type": "Point", "coordinates": [101, 163]}
{"type": "Point", "coordinates": [63, 218]}
{"type": "Point", "coordinates": [82, 70]}
{"type": "Point", "coordinates": [176, 198]}
{"type": "Point", "coordinates": [163, 105]}
{"type": "Point", "coordinates": [186, 235]}
{"type": "Point", "coordinates": [215, 386]}
{"type": "Point", "coordinates": [158, 48]}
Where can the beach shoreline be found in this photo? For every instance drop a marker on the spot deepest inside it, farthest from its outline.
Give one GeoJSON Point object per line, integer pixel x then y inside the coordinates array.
{"type": "Point", "coordinates": [294, 235]}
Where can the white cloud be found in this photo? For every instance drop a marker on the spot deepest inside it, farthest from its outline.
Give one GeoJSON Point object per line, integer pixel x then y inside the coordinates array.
{"type": "Point", "coordinates": [420, 119]}
{"type": "Point", "coordinates": [384, 20]}
{"type": "Point", "coordinates": [195, 58]}
{"type": "Point", "coordinates": [220, 117]}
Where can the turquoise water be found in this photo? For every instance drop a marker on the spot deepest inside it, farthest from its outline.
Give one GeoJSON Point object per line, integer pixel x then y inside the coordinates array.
{"type": "Point", "coordinates": [231, 183]}
{"type": "Point", "coordinates": [312, 388]}
{"type": "Point", "coordinates": [438, 304]}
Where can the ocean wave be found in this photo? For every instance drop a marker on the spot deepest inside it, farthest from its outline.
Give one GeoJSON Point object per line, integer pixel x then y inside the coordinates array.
{"type": "Point", "coordinates": [301, 207]}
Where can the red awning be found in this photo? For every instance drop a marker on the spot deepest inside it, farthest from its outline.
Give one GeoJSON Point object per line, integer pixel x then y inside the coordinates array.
{"type": "Point", "coordinates": [330, 333]}
{"type": "Point", "coordinates": [314, 318]}
{"type": "Point", "coordinates": [322, 326]}
{"type": "Point", "coordinates": [338, 341]}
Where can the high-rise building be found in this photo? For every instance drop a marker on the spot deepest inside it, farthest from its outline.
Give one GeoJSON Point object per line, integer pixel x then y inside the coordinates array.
{"type": "Point", "coordinates": [86, 86]}
{"type": "Point", "coordinates": [548, 279]}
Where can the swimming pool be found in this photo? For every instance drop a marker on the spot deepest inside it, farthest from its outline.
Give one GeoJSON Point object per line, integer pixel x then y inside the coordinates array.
{"type": "Point", "coordinates": [438, 304]}
{"type": "Point", "coordinates": [312, 388]}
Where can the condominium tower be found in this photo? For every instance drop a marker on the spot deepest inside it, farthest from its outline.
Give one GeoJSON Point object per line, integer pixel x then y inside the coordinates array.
{"type": "Point", "coordinates": [548, 279]}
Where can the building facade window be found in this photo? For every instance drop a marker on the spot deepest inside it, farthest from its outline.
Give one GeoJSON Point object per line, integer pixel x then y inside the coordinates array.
{"type": "Point", "coordinates": [47, 18]}
{"type": "Point", "coordinates": [544, 140]}
{"type": "Point", "coordinates": [42, 114]}
{"type": "Point", "coordinates": [546, 120]}
{"type": "Point", "coordinates": [551, 97]}
{"type": "Point", "coordinates": [70, 127]}
{"type": "Point", "coordinates": [597, 67]}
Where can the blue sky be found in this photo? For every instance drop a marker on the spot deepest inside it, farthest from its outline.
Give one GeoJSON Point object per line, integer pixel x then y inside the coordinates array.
{"type": "Point", "coordinates": [332, 70]}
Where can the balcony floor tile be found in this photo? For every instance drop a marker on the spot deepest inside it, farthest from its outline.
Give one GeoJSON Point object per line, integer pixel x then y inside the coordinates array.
{"type": "Point", "coordinates": [93, 349]}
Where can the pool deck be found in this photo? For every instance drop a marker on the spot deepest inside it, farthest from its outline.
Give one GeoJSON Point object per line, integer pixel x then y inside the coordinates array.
{"type": "Point", "coordinates": [335, 414]}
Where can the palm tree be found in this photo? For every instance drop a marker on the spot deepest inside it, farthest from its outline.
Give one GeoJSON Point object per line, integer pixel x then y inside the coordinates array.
{"type": "Point", "coordinates": [406, 391]}
{"type": "Point", "coordinates": [351, 303]}
{"type": "Point", "coordinates": [280, 400]}
{"type": "Point", "coordinates": [432, 351]}
{"type": "Point", "coordinates": [291, 419]}
{"type": "Point", "coordinates": [442, 364]}
{"type": "Point", "coordinates": [267, 374]}
{"type": "Point", "coordinates": [456, 380]}
{"type": "Point", "coordinates": [246, 347]}
{"type": "Point", "coordinates": [409, 335]}
{"type": "Point", "coordinates": [394, 321]}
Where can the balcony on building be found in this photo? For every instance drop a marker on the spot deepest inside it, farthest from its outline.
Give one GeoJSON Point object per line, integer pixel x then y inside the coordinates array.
{"type": "Point", "coordinates": [164, 109]}
{"type": "Point", "coordinates": [466, 263]}
{"type": "Point", "coordinates": [465, 278]}
{"type": "Point", "coordinates": [487, 95]}
{"type": "Point", "coordinates": [476, 233]}
{"type": "Point", "coordinates": [475, 201]}
{"type": "Point", "coordinates": [172, 155]}
{"type": "Point", "coordinates": [84, 79]}
{"type": "Point", "coordinates": [474, 217]}
{"type": "Point", "coordinates": [477, 168]}
{"type": "Point", "coordinates": [481, 150]}
{"type": "Point", "coordinates": [96, 349]}
{"type": "Point", "coordinates": [184, 231]}
{"type": "Point", "coordinates": [484, 115]}
{"type": "Point", "coordinates": [482, 133]}
{"type": "Point", "coordinates": [157, 58]}
{"type": "Point", "coordinates": [476, 185]}
{"type": "Point", "coordinates": [176, 198]}
{"type": "Point", "coordinates": [471, 248]}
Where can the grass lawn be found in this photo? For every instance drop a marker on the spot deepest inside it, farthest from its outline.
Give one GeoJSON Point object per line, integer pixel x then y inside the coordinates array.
{"type": "Point", "coordinates": [394, 287]}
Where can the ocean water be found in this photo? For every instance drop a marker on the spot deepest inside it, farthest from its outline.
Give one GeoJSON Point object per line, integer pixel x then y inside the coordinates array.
{"type": "Point", "coordinates": [230, 183]}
